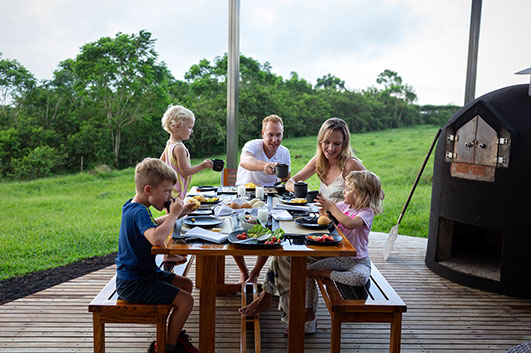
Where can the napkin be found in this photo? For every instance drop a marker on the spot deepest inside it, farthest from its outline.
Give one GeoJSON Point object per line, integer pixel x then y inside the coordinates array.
{"type": "Point", "coordinates": [214, 237]}
{"type": "Point", "coordinates": [282, 206]}
{"type": "Point", "coordinates": [281, 215]}
{"type": "Point", "coordinates": [224, 210]}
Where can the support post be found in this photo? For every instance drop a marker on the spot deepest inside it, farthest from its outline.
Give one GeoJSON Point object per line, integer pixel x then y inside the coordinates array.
{"type": "Point", "coordinates": [473, 45]}
{"type": "Point", "coordinates": [233, 81]}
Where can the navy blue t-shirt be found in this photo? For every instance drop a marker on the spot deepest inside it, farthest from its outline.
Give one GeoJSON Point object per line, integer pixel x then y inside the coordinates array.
{"type": "Point", "coordinates": [134, 260]}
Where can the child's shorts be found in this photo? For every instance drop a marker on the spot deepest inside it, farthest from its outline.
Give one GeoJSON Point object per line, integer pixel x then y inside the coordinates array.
{"type": "Point", "coordinates": [156, 290]}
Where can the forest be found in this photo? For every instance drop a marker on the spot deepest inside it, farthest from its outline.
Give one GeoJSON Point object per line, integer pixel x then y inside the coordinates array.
{"type": "Point", "coordinates": [105, 106]}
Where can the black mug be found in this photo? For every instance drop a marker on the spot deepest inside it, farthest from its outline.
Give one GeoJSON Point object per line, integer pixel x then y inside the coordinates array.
{"type": "Point", "coordinates": [301, 188]}
{"type": "Point", "coordinates": [217, 164]}
{"type": "Point", "coordinates": [311, 195]}
{"type": "Point", "coordinates": [281, 170]}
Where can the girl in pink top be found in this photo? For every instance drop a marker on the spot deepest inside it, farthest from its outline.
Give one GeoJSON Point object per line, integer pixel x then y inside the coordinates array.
{"type": "Point", "coordinates": [362, 200]}
{"type": "Point", "coordinates": [179, 123]}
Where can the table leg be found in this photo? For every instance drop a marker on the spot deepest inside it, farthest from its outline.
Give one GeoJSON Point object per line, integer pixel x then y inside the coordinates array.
{"type": "Point", "coordinates": [207, 304]}
{"type": "Point", "coordinates": [297, 297]}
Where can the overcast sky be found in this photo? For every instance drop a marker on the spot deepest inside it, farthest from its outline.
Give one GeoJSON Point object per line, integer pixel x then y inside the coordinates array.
{"type": "Point", "coordinates": [425, 41]}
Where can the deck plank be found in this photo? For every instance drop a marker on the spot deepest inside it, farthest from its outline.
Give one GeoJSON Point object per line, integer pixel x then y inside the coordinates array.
{"type": "Point", "coordinates": [442, 316]}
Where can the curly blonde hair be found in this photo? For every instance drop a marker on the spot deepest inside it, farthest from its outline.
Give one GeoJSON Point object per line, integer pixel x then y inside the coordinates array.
{"type": "Point", "coordinates": [153, 171]}
{"type": "Point", "coordinates": [368, 188]}
{"type": "Point", "coordinates": [176, 115]}
{"type": "Point", "coordinates": [333, 124]}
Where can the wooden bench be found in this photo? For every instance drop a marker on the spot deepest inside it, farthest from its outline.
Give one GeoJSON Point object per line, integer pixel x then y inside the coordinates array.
{"type": "Point", "coordinates": [249, 292]}
{"type": "Point", "coordinates": [106, 308]}
{"type": "Point", "coordinates": [375, 302]}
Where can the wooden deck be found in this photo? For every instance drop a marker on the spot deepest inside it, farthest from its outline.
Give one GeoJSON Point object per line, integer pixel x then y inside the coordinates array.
{"type": "Point", "coordinates": [442, 316]}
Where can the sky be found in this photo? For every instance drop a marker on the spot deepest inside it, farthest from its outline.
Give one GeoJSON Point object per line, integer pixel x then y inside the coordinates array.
{"type": "Point", "coordinates": [424, 41]}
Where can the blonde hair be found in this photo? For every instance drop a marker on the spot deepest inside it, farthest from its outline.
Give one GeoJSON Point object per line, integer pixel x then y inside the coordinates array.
{"type": "Point", "coordinates": [368, 188]}
{"type": "Point", "coordinates": [175, 115]}
{"type": "Point", "coordinates": [153, 171]}
{"type": "Point", "coordinates": [272, 119]}
{"type": "Point", "coordinates": [332, 124]}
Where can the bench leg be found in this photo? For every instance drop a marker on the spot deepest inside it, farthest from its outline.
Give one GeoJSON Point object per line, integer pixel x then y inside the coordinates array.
{"type": "Point", "coordinates": [98, 328]}
{"type": "Point", "coordinates": [335, 344]}
{"type": "Point", "coordinates": [396, 332]}
{"type": "Point", "coordinates": [161, 335]}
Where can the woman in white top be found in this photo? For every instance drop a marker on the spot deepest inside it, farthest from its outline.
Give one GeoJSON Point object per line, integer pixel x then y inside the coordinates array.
{"type": "Point", "coordinates": [332, 162]}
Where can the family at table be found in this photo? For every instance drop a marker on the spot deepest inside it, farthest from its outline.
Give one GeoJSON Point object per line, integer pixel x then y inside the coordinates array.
{"type": "Point", "coordinates": [348, 192]}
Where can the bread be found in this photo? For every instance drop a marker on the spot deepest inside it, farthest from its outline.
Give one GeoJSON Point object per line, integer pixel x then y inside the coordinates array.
{"type": "Point", "coordinates": [234, 205]}
{"type": "Point", "coordinates": [323, 220]}
{"type": "Point", "coordinates": [246, 205]}
{"type": "Point", "coordinates": [258, 204]}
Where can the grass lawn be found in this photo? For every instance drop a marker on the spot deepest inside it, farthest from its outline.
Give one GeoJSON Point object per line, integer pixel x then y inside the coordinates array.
{"type": "Point", "coordinates": [51, 222]}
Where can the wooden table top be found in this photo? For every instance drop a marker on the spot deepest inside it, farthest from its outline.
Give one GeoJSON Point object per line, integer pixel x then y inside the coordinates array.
{"type": "Point", "coordinates": [344, 248]}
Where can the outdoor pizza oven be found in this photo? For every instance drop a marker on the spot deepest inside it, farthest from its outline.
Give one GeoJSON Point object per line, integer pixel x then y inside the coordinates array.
{"type": "Point", "coordinates": [480, 218]}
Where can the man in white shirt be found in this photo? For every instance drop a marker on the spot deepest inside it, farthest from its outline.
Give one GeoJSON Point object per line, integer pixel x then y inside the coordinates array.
{"type": "Point", "coordinates": [257, 165]}
{"type": "Point", "coordinates": [259, 157]}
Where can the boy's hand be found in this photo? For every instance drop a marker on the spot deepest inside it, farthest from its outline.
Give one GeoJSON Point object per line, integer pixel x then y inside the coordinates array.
{"type": "Point", "coordinates": [176, 207]}
{"type": "Point", "coordinates": [324, 204]}
{"type": "Point", "coordinates": [188, 208]}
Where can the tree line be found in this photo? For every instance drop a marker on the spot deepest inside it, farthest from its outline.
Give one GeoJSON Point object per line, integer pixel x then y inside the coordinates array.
{"type": "Point", "coordinates": [105, 106]}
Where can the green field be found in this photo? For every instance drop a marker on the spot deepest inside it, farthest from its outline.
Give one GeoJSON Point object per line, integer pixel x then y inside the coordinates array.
{"type": "Point", "coordinates": [51, 222]}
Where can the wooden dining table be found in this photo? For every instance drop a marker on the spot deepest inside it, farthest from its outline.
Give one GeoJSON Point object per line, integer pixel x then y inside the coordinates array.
{"type": "Point", "coordinates": [211, 282]}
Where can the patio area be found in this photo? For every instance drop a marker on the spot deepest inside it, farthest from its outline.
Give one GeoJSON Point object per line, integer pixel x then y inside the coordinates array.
{"type": "Point", "coordinates": [442, 316]}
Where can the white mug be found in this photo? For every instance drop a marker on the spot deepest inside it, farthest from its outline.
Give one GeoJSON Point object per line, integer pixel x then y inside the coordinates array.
{"type": "Point", "coordinates": [260, 192]}
{"type": "Point", "coordinates": [241, 190]}
{"type": "Point", "coordinates": [263, 214]}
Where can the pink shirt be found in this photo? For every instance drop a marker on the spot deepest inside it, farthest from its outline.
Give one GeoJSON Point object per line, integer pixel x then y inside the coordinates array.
{"type": "Point", "coordinates": [358, 237]}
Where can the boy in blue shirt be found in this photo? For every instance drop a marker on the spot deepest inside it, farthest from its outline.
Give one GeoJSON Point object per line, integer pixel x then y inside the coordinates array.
{"type": "Point", "coordinates": [138, 279]}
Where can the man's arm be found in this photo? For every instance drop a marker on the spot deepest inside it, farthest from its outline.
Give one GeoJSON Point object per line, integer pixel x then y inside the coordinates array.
{"type": "Point", "coordinates": [249, 162]}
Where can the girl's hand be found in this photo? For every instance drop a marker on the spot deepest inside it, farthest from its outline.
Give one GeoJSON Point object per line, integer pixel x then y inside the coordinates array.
{"type": "Point", "coordinates": [207, 164]}
{"type": "Point", "coordinates": [323, 203]}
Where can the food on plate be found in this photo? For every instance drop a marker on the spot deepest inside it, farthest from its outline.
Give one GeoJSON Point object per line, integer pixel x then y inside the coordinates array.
{"type": "Point", "coordinates": [321, 238]}
{"type": "Point", "coordinates": [196, 203]}
{"type": "Point", "coordinates": [250, 186]}
{"type": "Point", "coordinates": [234, 205]}
{"type": "Point", "coordinates": [298, 200]}
{"type": "Point", "coordinates": [201, 198]}
{"type": "Point", "coordinates": [250, 219]}
{"type": "Point", "coordinates": [258, 231]}
{"type": "Point", "coordinates": [216, 229]}
{"type": "Point", "coordinates": [323, 220]}
{"type": "Point", "coordinates": [258, 204]}
{"type": "Point", "coordinates": [246, 205]}
{"type": "Point", "coordinates": [193, 220]}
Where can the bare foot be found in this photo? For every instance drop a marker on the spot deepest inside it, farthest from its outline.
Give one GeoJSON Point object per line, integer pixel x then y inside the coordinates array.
{"type": "Point", "coordinates": [244, 275]}
{"type": "Point", "coordinates": [262, 303]}
{"type": "Point", "coordinates": [177, 259]}
{"type": "Point", "coordinates": [253, 277]}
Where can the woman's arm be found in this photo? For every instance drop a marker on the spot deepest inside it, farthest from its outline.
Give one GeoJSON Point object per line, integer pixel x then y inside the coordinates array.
{"type": "Point", "coordinates": [179, 152]}
{"type": "Point", "coordinates": [352, 165]}
{"type": "Point", "coordinates": [305, 173]}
